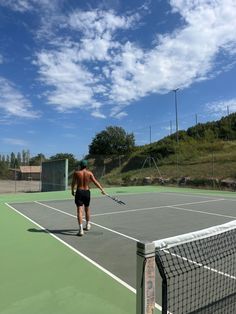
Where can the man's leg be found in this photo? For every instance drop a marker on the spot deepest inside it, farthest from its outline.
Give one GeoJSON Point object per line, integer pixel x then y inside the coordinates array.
{"type": "Point", "coordinates": [80, 219]}
{"type": "Point", "coordinates": [87, 216]}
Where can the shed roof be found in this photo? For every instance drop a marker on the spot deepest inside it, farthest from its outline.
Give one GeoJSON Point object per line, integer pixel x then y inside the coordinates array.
{"type": "Point", "coordinates": [30, 169]}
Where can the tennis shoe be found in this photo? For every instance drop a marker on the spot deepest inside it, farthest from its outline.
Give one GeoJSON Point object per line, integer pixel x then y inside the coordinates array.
{"type": "Point", "coordinates": [88, 226]}
{"type": "Point", "coordinates": [80, 232]}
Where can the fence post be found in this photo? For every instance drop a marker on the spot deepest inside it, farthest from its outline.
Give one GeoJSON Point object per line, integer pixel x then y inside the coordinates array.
{"type": "Point", "coordinates": [145, 284]}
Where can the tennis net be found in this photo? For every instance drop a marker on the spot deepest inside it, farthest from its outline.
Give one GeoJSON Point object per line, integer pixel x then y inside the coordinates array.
{"type": "Point", "coordinates": [198, 271]}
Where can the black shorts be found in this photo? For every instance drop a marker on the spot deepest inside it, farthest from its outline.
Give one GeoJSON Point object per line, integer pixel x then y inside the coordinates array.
{"type": "Point", "coordinates": [82, 197]}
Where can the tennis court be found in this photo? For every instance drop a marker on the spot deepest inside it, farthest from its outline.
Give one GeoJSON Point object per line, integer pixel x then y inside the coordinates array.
{"type": "Point", "coordinates": [103, 261]}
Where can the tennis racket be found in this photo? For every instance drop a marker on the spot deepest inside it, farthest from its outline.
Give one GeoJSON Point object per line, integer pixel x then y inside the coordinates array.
{"type": "Point", "coordinates": [115, 199]}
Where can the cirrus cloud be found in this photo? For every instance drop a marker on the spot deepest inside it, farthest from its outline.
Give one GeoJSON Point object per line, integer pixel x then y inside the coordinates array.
{"type": "Point", "coordinates": [15, 141]}
{"type": "Point", "coordinates": [13, 103]}
{"type": "Point", "coordinates": [102, 63]}
{"type": "Point", "coordinates": [221, 107]}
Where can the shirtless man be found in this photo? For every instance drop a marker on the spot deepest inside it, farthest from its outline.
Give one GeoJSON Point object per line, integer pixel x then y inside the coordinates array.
{"type": "Point", "coordinates": [81, 180]}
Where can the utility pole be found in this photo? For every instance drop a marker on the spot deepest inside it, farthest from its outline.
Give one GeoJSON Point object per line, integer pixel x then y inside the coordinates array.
{"type": "Point", "coordinates": [150, 133]}
{"type": "Point", "coordinates": [176, 115]}
{"type": "Point", "coordinates": [229, 122]}
{"type": "Point", "coordinates": [170, 127]}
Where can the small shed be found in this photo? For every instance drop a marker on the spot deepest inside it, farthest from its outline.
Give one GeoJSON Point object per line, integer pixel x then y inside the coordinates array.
{"type": "Point", "coordinates": [30, 172]}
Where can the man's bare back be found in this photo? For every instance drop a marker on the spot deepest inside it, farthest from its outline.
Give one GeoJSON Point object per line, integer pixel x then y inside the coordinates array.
{"type": "Point", "coordinates": [81, 180]}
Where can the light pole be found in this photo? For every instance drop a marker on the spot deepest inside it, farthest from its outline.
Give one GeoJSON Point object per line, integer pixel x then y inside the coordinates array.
{"type": "Point", "coordinates": [170, 127]}
{"type": "Point", "coordinates": [150, 134]}
{"type": "Point", "coordinates": [177, 132]}
{"type": "Point", "coordinates": [176, 115]}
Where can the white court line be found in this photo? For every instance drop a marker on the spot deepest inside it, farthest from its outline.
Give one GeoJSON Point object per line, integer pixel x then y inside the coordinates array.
{"type": "Point", "coordinates": [197, 195]}
{"type": "Point", "coordinates": [93, 223]}
{"type": "Point", "coordinates": [156, 207]}
{"type": "Point", "coordinates": [200, 211]}
{"type": "Point", "coordinates": [226, 196]}
{"type": "Point", "coordinates": [201, 265]}
{"type": "Point", "coordinates": [54, 208]}
{"type": "Point", "coordinates": [141, 209]}
{"type": "Point", "coordinates": [83, 255]}
{"type": "Point", "coordinates": [144, 209]}
{"type": "Point", "coordinates": [76, 251]}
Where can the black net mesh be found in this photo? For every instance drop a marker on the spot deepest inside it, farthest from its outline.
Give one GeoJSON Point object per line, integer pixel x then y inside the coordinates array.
{"type": "Point", "coordinates": [199, 276]}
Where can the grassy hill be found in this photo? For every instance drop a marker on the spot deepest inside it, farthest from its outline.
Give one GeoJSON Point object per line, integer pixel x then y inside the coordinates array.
{"type": "Point", "coordinates": [205, 155]}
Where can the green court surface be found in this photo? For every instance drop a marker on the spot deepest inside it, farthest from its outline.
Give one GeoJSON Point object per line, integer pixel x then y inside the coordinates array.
{"type": "Point", "coordinates": [39, 274]}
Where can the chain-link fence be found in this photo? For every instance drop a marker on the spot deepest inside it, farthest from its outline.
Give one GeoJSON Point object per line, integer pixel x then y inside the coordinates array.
{"type": "Point", "coordinates": [205, 165]}
{"type": "Point", "coordinates": [16, 181]}
{"type": "Point", "coordinates": [203, 156]}
{"type": "Point", "coordinates": [22, 173]}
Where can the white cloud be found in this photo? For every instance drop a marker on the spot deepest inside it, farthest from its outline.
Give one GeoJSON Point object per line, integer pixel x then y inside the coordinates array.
{"type": "Point", "coordinates": [28, 5]}
{"type": "Point", "coordinates": [96, 29]}
{"type": "Point", "coordinates": [71, 83]}
{"type": "Point", "coordinates": [181, 58]}
{"type": "Point", "coordinates": [120, 115]}
{"type": "Point", "coordinates": [97, 22]}
{"type": "Point", "coordinates": [221, 107]}
{"type": "Point", "coordinates": [13, 103]}
{"type": "Point", "coordinates": [15, 141]}
{"type": "Point", "coordinates": [48, 13]}
{"type": "Point", "coordinates": [95, 62]}
{"type": "Point", "coordinates": [72, 69]}
{"type": "Point", "coordinates": [17, 5]}
{"type": "Point", "coordinates": [98, 114]}
{"type": "Point", "coordinates": [95, 49]}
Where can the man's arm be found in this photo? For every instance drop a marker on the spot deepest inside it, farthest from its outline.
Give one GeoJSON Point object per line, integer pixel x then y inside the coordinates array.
{"type": "Point", "coordinates": [92, 178]}
{"type": "Point", "coordinates": [73, 184]}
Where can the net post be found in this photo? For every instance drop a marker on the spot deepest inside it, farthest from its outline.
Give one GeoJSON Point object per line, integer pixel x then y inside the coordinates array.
{"type": "Point", "coordinates": [145, 279]}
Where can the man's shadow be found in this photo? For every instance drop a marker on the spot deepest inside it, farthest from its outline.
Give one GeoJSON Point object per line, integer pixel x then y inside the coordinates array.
{"type": "Point", "coordinates": [69, 232]}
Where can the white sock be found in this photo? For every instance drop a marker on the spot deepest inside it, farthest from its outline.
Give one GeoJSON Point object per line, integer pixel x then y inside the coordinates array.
{"type": "Point", "coordinates": [81, 227]}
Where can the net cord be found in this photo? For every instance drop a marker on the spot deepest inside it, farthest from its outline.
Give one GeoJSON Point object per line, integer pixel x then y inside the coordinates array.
{"type": "Point", "coordinates": [194, 236]}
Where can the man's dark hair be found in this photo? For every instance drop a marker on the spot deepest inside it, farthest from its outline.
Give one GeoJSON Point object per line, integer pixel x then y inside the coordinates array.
{"type": "Point", "coordinates": [83, 164]}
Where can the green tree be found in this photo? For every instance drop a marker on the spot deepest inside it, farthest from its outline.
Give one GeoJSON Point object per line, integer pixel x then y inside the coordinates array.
{"type": "Point", "coordinates": [19, 158]}
{"type": "Point", "coordinates": [209, 135]}
{"type": "Point", "coordinates": [72, 161]}
{"type": "Point", "coordinates": [37, 160]}
{"type": "Point", "coordinates": [24, 157]}
{"type": "Point", "coordinates": [111, 141]}
{"type": "Point", "coordinates": [4, 172]}
{"type": "Point", "coordinates": [12, 160]}
{"type": "Point", "coordinates": [8, 160]}
{"type": "Point", "coordinates": [225, 128]}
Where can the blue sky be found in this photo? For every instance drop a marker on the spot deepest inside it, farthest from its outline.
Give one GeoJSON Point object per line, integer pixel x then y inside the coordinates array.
{"type": "Point", "coordinates": [69, 69]}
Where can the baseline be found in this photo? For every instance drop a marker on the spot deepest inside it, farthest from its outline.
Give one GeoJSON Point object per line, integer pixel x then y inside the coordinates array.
{"type": "Point", "coordinates": [93, 223]}
{"type": "Point", "coordinates": [75, 250]}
